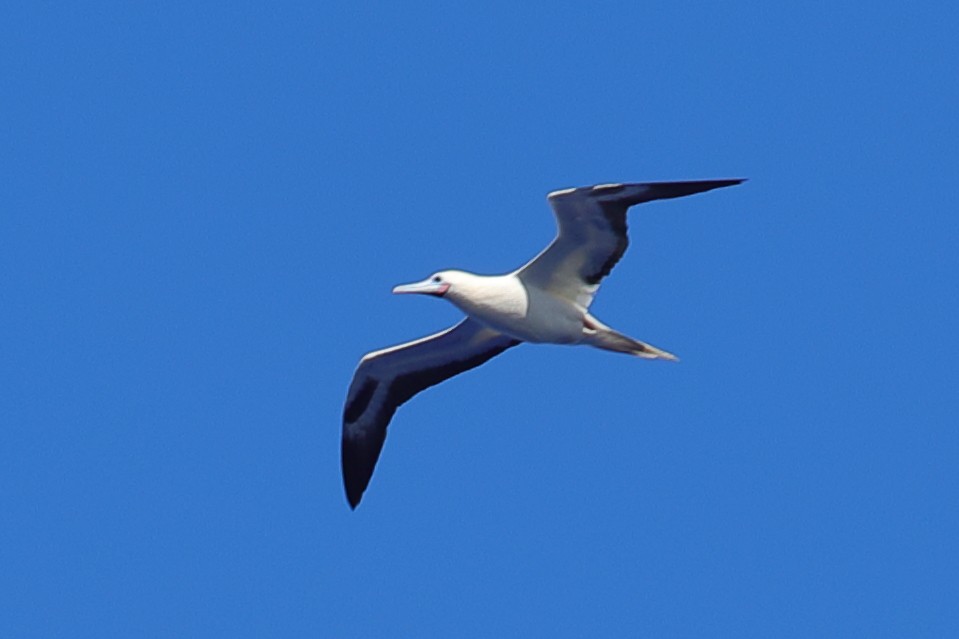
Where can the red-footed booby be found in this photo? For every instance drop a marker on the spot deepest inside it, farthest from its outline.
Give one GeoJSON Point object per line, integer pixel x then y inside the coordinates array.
{"type": "Point", "coordinates": [545, 301]}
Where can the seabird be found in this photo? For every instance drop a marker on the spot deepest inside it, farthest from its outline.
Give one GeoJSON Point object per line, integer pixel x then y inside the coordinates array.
{"type": "Point", "coordinates": [545, 301]}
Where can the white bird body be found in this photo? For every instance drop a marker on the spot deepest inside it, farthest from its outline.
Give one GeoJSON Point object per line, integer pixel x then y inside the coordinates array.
{"type": "Point", "coordinates": [545, 301]}
{"type": "Point", "coordinates": [506, 304]}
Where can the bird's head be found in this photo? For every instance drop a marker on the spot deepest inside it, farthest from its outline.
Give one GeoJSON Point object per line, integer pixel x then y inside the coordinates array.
{"type": "Point", "coordinates": [438, 284]}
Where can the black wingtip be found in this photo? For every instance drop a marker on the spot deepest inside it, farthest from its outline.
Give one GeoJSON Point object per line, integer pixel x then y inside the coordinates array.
{"type": "Point", "coordinates": [354, 493]}
{"type": "Point", "coordinates": [699, 186]}
{"type": "Point", "coordinates": [669, 190]}
{"type": "Point", "coordinates": [356, 477]}
{"type": "Point", "coordinates": [358, 458]}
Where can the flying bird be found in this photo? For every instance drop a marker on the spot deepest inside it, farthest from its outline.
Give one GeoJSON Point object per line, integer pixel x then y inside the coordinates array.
{"type": "Point", "coordinates": [545, 301]}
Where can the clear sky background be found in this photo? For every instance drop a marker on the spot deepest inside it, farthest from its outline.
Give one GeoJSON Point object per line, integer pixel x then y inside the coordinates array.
{"type": "Point", "coordinates": [205, 206]}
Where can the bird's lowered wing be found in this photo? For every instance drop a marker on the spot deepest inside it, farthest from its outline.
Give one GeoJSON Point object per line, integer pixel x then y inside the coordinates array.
{"type": "Point", "coordinates": [387, 378]}
{"type": "Point", "coordinates": [591, 235]}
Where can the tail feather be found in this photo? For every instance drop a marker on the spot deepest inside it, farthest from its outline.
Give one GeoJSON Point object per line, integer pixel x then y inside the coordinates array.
{"type": "Point", "coordinates": [598, 335]}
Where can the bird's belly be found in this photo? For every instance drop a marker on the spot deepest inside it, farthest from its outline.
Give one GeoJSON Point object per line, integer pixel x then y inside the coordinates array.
{"type": "Point", "coordinates": [545, 319]}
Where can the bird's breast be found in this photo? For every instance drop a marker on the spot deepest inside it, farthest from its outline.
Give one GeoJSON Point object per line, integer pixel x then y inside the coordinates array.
{"type": "Point", "coordinates": [526, 313]}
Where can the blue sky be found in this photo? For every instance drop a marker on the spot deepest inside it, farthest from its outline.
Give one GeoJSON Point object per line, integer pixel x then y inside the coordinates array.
{"type": "Point", "coordinates": [205, 207]}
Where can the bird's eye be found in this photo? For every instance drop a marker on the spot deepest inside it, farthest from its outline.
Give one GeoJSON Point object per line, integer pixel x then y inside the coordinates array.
{"type": "Point", "coordinates": [437, 279]}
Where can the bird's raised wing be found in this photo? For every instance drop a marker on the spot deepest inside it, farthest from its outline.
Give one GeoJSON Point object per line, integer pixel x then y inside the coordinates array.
{"type": "Point", "coordinates": [591, 235]}
{"type": "Point", "coordinates": [387, 378]}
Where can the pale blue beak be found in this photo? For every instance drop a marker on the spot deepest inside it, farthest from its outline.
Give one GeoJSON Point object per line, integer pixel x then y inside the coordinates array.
{"type": "Point", "coordinates": [426, 287]}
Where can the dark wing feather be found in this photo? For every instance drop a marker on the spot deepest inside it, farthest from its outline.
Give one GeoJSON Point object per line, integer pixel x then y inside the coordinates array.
{"type": "Point", "coordinates": [386, 379]}
{"type": "Point", "coordinates": [592, 234]}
